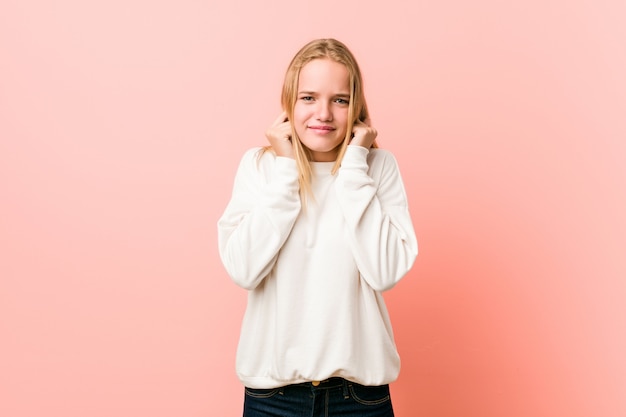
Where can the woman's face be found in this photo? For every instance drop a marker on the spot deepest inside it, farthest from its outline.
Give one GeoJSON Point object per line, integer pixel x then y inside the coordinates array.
{"type": "Point", "coordinates": [320, 115]}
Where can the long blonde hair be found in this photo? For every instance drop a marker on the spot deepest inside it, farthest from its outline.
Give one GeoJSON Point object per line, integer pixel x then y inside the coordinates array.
{"type": "Point", "coordinates": [357, 108]}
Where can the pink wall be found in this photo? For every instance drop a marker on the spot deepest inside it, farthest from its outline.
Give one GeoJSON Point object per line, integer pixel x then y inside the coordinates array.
{"type": "Point", "coordinates": [121, 125]}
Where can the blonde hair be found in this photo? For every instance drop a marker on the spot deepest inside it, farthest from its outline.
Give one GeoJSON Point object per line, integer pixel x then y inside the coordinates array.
{"type": "Point", "coordinates": [357, 108]}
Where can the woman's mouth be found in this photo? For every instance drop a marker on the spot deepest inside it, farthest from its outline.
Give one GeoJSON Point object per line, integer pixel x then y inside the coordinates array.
{"type": "Point", "coordinates": [322, 129]}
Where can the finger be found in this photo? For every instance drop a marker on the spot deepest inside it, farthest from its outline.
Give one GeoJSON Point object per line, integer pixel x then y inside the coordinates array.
{"type": "Point", "coordinates": [368, 122]}
{"type": "Point", "coordinates": [282, 118]}
{"type": "Point", "coordinates": [284, 130]}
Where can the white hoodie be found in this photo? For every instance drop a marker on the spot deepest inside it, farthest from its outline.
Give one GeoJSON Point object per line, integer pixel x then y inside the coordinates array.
{"type": "Point", "coordinates": [315, 274]}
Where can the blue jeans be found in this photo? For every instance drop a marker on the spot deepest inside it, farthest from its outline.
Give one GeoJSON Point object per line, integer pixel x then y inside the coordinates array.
{"type": "Point", "coordinates": [334, 397]}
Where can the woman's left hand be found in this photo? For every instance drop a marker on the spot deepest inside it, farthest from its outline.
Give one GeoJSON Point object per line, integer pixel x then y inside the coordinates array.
{"type": "Point", "coordinates": [363, 134]}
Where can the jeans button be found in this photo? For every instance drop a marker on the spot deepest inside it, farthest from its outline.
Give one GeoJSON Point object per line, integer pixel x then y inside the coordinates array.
{"type": "Point", "coordinates": [315, 383]}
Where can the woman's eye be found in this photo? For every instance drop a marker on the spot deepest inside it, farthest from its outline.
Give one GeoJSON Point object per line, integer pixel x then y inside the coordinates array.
{"type": "Point", "coordinates": [306, 98]}
{"type": "Point", "coordinates": [341, 101]}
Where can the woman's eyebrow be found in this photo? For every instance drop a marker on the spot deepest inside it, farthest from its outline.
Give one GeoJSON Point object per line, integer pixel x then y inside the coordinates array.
{"type": "Point", "coordinates": [313, 93]}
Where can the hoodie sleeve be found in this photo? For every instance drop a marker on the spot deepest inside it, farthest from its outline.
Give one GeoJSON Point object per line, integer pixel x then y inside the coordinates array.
{"type": "Point", "coordinates": [263, 208]}
{"type": "Point", "coordinates": [374, 203]}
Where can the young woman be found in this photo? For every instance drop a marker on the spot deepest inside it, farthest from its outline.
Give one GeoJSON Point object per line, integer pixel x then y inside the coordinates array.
{"type": "Point", "coordinates": [317, 227]}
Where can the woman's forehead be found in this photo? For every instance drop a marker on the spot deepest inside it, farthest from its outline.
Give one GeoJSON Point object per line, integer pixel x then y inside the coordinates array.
{"type": "Point", "coordinates": [324, 74]}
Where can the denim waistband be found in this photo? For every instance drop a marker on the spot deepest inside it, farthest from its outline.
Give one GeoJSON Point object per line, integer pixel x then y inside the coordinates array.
{"type": "Point", "coordinates": [327, 384]}
{"type": "Point", "coordinates": [333, 382]}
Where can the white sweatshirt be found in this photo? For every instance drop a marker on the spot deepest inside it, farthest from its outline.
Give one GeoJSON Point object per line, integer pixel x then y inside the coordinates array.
{"type": "Point", "coordinates": [315, 274]}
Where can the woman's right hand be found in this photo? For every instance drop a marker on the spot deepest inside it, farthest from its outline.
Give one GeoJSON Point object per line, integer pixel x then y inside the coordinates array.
{"type": "Point", "coordinates": [279, 136]}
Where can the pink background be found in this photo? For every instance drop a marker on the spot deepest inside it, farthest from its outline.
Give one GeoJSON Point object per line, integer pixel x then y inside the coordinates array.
{"type": "Point", "coordinates": [121, 126]}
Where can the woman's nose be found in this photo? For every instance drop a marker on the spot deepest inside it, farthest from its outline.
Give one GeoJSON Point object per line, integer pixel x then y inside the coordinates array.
{"type": "Point", "coordinates": [324, 113]}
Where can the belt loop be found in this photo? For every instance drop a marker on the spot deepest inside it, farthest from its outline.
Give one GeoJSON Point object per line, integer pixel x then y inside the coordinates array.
{"type": "Point", "coordinates": [345, 390]}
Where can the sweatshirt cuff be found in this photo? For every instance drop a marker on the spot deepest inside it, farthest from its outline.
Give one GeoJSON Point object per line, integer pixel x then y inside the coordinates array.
{"type": "Point", "coordinates": [284, 163]}
{"type": "Point", "coordinates": [286, 172]}
{"type": "Point", "coordinates": [355, 157]}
